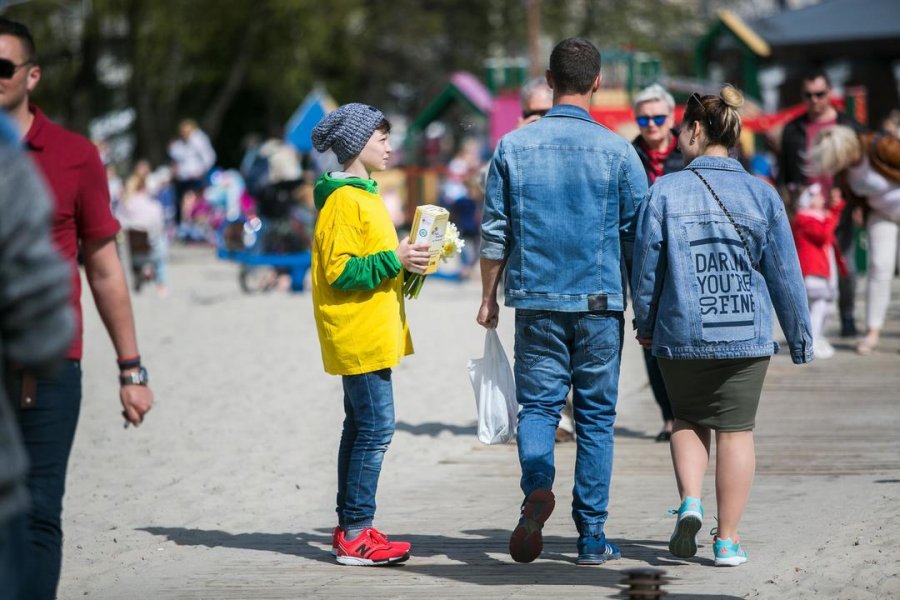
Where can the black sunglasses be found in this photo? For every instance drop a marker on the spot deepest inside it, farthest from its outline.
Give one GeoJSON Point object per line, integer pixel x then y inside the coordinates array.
{"type": "Point", "coordinates": [658, 120]}
{"type": "Point", "coordinates": [695, 97]}
{"type": "Point", "coordinates": [816, 95]}
{"type": "Point", "coordinates": [532, 113]}
{"type": "Point", "coordinates": [8, 68]}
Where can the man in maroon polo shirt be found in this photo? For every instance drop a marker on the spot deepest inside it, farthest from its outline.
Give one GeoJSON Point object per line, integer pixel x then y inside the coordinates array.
{"type": "Point", "coordinates": [49, 405]}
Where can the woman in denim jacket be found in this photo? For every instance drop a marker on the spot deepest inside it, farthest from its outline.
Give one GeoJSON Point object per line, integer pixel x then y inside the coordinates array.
{"type": "Point", "coordinates": [714, 258]}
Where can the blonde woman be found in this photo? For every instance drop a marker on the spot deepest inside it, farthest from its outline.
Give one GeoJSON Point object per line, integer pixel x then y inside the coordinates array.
{"type": "Point", "coordinates": [871, 167]}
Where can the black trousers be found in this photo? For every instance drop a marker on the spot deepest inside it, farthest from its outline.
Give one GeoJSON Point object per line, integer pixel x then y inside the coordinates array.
{"type": "Point", "coordinates": [658, 385]}
{"type": "Point", "coordinates": [48, 430]}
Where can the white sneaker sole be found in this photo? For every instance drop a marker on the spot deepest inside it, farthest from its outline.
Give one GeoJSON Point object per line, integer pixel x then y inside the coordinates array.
{"type": "Point", "coordinates": [734, 561]}
{"type": "Point", "coordinates": [365, 562]}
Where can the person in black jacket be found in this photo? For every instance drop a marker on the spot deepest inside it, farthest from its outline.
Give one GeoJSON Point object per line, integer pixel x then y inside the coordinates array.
{"type": "Point", "coordinates": [657, 147]}
{"type": "Point", "coordinates": [794, 174]}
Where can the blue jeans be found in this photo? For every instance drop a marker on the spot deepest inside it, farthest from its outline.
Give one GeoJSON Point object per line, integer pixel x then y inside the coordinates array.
{"type": "Point", "coordinates": [553, 351]}
{"type": "Point", "coordinates": [48, 429]}
{"type": "Point", "coordinates": [368, 429]}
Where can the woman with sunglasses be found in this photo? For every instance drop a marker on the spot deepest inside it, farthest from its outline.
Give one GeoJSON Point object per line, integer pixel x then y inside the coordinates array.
{"type": "Point", "coordinates": [714, 258]}
{"type": "Point", "coordinates": [657, 147]}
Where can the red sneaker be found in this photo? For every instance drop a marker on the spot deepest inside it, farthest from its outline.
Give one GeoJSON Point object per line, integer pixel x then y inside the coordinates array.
{"type": "Point", "coordinates": [370, 548]}
{"type": "Point", "coordinates": [336, 533]}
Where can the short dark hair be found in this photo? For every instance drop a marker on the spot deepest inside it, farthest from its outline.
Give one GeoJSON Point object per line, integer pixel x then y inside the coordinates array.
{"type": "Point", "coordinates": [574, 65]}
{"type": "Point", "coordinates": [384, 126]}
{"type": "Point", "coordinates": [813, 74]}
{"type": "Point", "coordinates": [18, 30]}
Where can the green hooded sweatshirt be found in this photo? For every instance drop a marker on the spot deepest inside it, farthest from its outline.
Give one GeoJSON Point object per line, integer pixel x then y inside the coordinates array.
{"type": "Point", "coordinates": [360, 272]}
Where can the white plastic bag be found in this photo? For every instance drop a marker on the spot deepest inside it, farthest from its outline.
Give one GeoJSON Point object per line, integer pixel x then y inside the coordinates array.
{"type": "Point", "coordinates": [495, 392]}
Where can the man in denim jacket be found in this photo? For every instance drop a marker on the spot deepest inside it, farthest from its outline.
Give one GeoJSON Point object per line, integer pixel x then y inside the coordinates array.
{"type": "Point", "coordinates": [559, 216]}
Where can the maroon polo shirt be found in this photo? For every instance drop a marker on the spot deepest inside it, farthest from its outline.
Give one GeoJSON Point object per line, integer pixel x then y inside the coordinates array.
{"type": "Point", "coordinates": [74, 173]}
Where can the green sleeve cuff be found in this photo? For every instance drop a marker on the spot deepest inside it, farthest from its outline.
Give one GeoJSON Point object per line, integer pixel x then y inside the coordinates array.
{"type": "Point", "coordinates": [367, 272]}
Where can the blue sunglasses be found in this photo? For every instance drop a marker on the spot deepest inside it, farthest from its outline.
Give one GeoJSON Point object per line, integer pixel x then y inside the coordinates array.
{"type": "Point", "coordinates": [658, 120]}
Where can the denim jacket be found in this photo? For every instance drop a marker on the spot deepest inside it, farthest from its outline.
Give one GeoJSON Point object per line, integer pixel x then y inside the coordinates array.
{"type": "Point", "coordinates": [560, 207]}
{"type": "Point", "coordinates": [695, 291]}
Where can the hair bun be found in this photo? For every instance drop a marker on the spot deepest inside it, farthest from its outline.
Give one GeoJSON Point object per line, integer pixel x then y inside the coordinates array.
{"type": "Point", "coordinates": [731, 96]}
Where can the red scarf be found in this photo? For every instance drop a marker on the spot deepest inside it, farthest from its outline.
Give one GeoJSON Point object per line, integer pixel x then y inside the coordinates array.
{"type": "Point", "coordinates": [657, 159]}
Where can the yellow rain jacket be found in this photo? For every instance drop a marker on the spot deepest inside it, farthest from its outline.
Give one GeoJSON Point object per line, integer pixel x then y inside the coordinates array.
{"type": "Point", "coordinates": [357, 279]}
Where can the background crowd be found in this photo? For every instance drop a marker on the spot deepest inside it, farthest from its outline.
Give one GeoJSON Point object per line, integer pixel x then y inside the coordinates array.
{"type": "Point", "coordinates": [837, 178]}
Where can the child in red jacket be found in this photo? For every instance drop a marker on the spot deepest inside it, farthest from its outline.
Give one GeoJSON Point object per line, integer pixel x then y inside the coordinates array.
{"type": "Point", "coordinates": [820, 261]}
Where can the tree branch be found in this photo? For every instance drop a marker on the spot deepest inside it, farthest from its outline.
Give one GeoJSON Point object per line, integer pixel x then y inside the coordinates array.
{"type": "Point", "coordinates": [212, 119]}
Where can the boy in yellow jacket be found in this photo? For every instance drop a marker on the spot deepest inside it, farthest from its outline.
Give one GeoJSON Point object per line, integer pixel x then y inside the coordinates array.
{"type": "Point", "coordinates": [357, 284]}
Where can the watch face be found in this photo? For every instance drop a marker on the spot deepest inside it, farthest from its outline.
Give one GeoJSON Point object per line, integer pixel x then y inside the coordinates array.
{"type": "Point", "coordinates": [139, 377]}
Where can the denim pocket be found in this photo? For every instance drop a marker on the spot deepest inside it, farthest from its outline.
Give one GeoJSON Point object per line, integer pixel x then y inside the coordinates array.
{"type": "Point", "coordinates": [600, 335]}
{"type": "Point", "coordinates": [532, 336]}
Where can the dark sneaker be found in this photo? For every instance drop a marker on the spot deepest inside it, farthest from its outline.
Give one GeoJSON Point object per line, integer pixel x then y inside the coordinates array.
{"type": "Point", "coordinates": [595, 550]}
{"type": "Point", "coordinates": [848, 328]}
{"type": "Point", "coordinates": [526, 541]}
{"type": "Point", "coordinates": [370, 548]}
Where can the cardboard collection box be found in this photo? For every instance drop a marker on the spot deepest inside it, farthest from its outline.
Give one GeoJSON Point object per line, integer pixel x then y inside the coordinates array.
{"type": "Point", "coordinates": [429, 226]}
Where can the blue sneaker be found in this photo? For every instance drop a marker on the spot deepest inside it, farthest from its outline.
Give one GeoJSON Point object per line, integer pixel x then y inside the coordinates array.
{"type": "Point", "coordinates": [683, 542]}
{"type": "Point", "coordinates": [728, 553]}
{"type": "Point", "coordinates": [595, 550]}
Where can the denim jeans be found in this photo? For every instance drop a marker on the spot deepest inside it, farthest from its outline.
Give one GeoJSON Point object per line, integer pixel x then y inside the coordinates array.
{"type": "Point", "coordinates": [13, 540]}
{"type": "Point", "coordinates": [48, 429]}
{"type": "Point", "coordinates": [553, 351]}
{"type": "Point", "coordinates": [368, 429]}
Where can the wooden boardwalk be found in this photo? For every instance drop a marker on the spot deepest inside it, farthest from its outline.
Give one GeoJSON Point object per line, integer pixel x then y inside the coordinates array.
{"type": "Point", "coordinates": [822, 523]}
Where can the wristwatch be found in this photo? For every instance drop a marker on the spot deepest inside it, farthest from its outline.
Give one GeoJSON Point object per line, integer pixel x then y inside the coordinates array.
{"type": "Point", "coordinates": [138, 377]}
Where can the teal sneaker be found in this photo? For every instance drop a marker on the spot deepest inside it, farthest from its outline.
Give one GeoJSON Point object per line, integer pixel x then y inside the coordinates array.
{"type": "Point", "coordinates": [683, 542]}
{"type": "Point", "coordinates": [728, 553]}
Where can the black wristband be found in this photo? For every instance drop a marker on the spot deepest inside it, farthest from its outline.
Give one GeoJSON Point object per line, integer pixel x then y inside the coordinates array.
{"type": "Point", "coordinates": [129, 363]}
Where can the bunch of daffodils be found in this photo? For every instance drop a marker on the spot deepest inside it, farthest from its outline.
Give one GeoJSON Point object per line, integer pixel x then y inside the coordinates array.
{"type": "Point", "coordinates": [452, 246]}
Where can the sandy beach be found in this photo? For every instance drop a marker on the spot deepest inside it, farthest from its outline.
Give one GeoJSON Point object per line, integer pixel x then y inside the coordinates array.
{"type": "Point", "coordinates": [227, 490]}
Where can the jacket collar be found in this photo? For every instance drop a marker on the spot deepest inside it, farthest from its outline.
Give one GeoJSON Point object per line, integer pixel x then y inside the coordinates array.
{"type": "Point", "coordinates": [715, 162]}
{"type": "Point", "coordinates": [570, 110]}
{"type": "Point", "coordinates": [326, 185]}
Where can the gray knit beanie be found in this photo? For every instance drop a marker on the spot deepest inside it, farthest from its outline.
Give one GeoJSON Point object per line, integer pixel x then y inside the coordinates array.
{"type": "Point", "coordinates": [346, 130]}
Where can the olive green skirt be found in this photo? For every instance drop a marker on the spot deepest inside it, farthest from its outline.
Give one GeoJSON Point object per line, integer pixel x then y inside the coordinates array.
{"type": "Point", "coordinates": [721, 394]}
